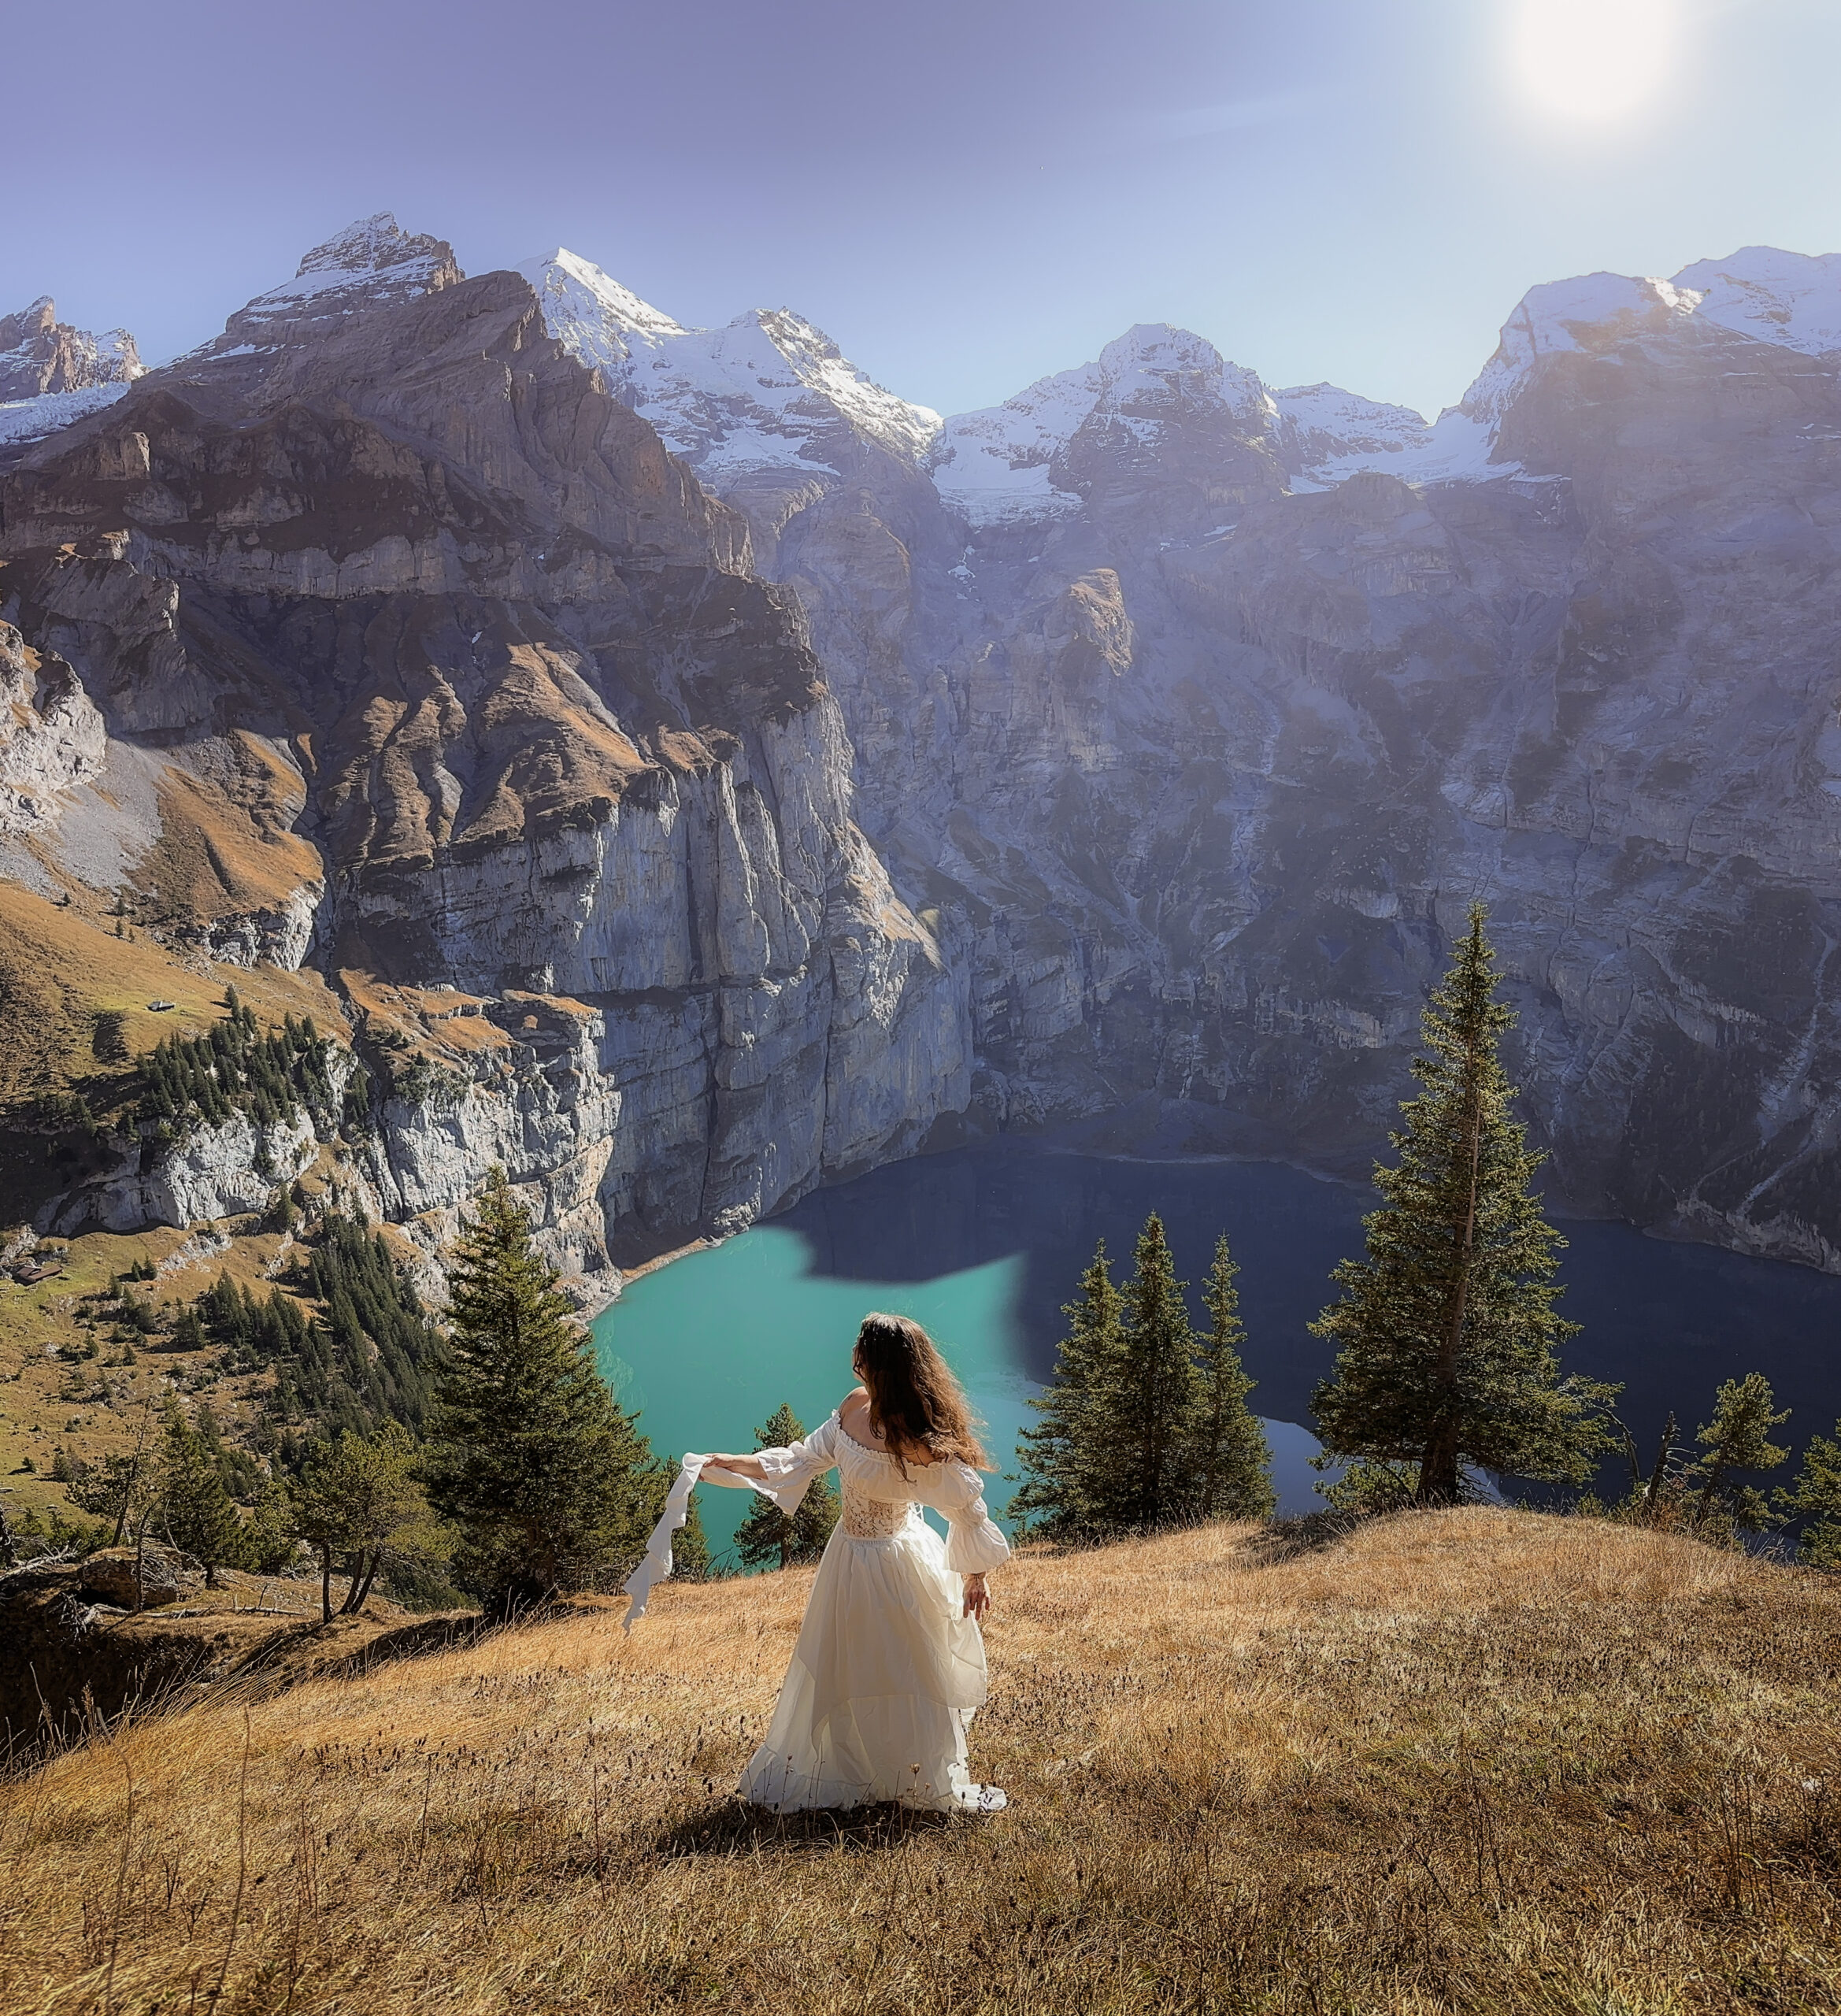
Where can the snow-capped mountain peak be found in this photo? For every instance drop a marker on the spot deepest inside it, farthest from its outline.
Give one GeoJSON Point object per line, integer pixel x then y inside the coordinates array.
{"type": "Point", "coordinates": [1787, 299]}
{"type": "Point", "coordinates": [371, 264]}
{"type": "Point", "coordinates": [40, 354]}
{"type": "Point", "coordinates": [768, 391]}
{"type": "Point", "coordinates": [374, 246]}
{"type": "Point", "coordinates": [999, 464]}
{"type": "Point", "coordinates": [1318, 421]}
{"type": "Point", "coordinates": [51, 374]}
{"type": "Point", "coordinates": [1784, 298]}
{"type": "Point", "coordinates": [1589, 311]}
{"type": "Point", "coordinates": [590, 312]}
{"type": "Point", "coordinates": [1154, 364]}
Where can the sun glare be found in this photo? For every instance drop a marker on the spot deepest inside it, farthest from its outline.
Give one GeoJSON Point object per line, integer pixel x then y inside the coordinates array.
{"type": "Point", "coordinates": [1592, 59]}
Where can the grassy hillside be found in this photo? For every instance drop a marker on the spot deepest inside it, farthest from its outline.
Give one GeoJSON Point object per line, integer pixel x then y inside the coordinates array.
{"type": "Point", "coordinates": [1473, 1760]}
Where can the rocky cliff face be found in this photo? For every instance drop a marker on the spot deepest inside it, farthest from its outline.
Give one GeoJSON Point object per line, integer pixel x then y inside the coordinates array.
{"type": "Point", "coordinates": [700, 770]}
{"type": "Point", "coordinates": [421, 658]}
{"type": "Point", "coordinates": [1205, 709]}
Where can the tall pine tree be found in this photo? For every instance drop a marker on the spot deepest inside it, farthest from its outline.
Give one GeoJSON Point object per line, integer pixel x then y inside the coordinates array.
{"type": "Point", "coordinates": [1155, 1406]}
{"type": "Point", "coordinates": [1447, 1334]}
{"type": "Point", "coordinates": [1815, 1498]}
{"type": "Point", "coordinates": [1142, 1425]}
{"type": "Point", "coordinates": [550, 1483]}
{"type": "Point", "coordinates": [1230, 1464]}
{"type": "Point", "coordinates": [195, 1512]}
{"type": "Point", "coordinates": [1068, 1463]}
{"type": "Point", "coordinates": [767, 1538]}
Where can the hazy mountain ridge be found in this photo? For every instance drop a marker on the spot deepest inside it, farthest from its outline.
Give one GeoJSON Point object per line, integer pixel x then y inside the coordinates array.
{"type": "Point", "coordinates": [1180, 728]}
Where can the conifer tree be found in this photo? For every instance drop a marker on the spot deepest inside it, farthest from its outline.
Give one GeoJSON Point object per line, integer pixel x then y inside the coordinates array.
{"type": "Point", "coordinates": [549, 1482]}
{"type": "Point", "coordinates": [1737, 1438]}
{"type": "Point", "coordinates": [1155, 1402]}
{"type": "Point", "coordinates": [1231, 1464]}
{"type": "Point", "coordinates": [1067, 1462]}
{"type": "Point", "coordinates": [196, 1514]}
{"type": "Point", "coordinates": [359, 1499]}
{"type": "Point", "coordinates": [767, 1537]}
{"type": "Point", "coordinates": [1447, 1334]}
{"type": "Point", "coordinates": [1815, 1498]}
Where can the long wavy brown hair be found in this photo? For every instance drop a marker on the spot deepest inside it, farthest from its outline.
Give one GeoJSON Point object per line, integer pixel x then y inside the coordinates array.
{"type": "Point", "coordinates": [916, 1404]}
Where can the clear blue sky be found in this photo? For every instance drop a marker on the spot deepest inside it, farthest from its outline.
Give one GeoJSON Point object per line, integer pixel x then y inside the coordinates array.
{"type": "Point", "coordinates": [966, 194]}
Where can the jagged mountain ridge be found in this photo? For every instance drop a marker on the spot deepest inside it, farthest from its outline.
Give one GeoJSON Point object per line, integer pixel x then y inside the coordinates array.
{"type": "Point", "coordinates": [1185, 716]}
{"type": "Point", "coordinates": [401, 591]}
{"type": "Point", "coordinates": [52, 373]}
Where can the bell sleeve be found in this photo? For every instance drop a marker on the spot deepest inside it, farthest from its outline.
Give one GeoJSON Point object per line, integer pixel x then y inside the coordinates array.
{"type": "Point", "coordinates": [974, 1542]}
{"type": "Point", "coordinates": [790, 1471]}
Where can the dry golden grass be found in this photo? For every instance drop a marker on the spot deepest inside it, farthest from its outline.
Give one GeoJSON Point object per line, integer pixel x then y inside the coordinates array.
{"type": "Point", "coordinates": [1477, 1761]}
{"type": "Point", "coordinates": [227, 842]}
{"type": "Point", "coordinates": [59, 965]}
{"type": "Point", "coordinates": [93, 1409]}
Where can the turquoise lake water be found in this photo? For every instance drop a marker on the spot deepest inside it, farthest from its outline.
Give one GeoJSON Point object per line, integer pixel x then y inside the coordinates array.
{"type": "Point", "coordinates": [983, 1245]}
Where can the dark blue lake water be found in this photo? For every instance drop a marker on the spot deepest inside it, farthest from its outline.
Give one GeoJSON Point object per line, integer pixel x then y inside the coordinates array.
{"type": "Point", "coordinates": [983, 1245]}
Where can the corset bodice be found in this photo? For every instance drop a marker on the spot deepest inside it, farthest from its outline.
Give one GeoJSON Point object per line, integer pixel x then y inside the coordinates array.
{"type": "Point", "coordinates": [869, 1518]}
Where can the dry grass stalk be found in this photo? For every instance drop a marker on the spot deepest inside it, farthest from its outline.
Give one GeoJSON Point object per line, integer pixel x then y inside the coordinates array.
{"type": "Point", "coordinates": [1473, 1760]}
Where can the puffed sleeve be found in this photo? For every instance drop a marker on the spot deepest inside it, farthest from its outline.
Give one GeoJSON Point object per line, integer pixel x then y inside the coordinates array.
{"type": "Point", "coordinates": [973, 1542]}
{"type": "Point", "coordinates": [792, 1470]}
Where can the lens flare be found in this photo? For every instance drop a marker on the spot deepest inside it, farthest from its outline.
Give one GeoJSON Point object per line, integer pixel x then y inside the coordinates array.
{"type": "Point", "coordinates": [1593, 59]}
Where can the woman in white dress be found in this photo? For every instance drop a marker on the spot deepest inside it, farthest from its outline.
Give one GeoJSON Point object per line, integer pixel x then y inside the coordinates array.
{"type": "Point", "coordinates": [890, 1666]}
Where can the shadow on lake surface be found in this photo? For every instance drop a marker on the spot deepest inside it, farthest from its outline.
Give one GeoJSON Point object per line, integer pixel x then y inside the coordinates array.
{"type": "Point", "coordinates": [1669, 1321]}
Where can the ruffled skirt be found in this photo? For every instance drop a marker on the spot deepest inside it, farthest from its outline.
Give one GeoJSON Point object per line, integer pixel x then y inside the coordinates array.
{"type": "Point", "coordinates": [883, 1686]}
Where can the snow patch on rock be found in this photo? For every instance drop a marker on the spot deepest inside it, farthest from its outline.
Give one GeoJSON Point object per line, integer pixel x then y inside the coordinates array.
{"type": "Point", "coordinates": [1457, 447]}
{"type": "Point", "coordinates": [1784, 297]}
{"type": "Point", "coordinates": [31, 419]}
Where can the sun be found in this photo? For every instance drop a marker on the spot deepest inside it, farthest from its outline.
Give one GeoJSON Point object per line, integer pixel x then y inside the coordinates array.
{"type": "Point", "coordinates": [1592, 59]}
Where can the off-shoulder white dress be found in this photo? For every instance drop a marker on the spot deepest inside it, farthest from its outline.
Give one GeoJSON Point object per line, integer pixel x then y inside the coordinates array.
{"type": "Point", "coordinates": [888, 1671]}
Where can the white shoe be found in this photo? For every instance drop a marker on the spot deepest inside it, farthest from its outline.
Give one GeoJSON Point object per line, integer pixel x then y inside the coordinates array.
{"type": "Point", "coordinates": [991, 1798]}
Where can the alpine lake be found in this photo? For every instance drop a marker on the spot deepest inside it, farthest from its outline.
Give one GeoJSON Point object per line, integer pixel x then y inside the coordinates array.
{"type": "Point", "coordinates": [984, 1245]}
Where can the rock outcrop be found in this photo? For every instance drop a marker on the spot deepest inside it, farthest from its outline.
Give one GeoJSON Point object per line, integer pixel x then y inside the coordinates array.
{"type": "Point", "coordinates": [39, 354]}
{"type": "Point", "coordinates": [133, 1631]}
{"type": "Point", "coordinates": [51, 737]}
